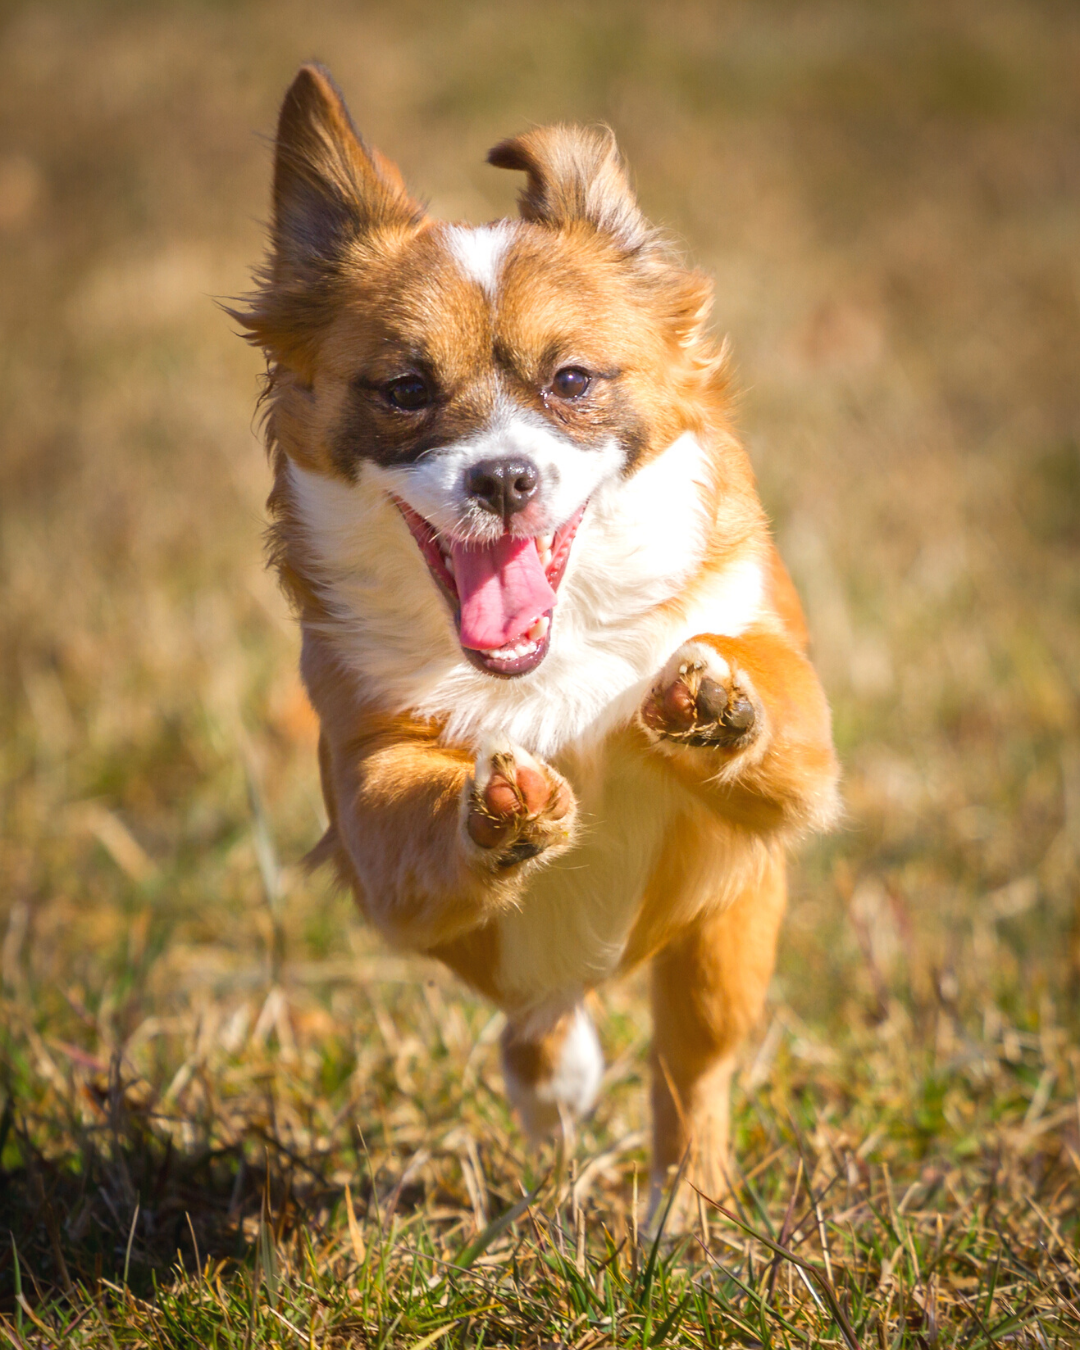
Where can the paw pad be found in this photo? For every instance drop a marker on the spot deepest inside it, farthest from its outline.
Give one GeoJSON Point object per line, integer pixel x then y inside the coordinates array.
{"type": "Point", "coordinates": [517, 807]}
{"type": "Point", "coordinates": [702, 701]}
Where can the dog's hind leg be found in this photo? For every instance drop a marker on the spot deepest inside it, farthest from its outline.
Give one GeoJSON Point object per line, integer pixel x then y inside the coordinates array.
{"type": "Point", "coordinates": [708, 989]}
{"type": "Point", "coordinates": [552, 1069]}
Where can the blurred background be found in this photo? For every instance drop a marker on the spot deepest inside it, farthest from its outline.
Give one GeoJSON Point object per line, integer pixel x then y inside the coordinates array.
{"type": "Point", "coordinates": [888, 196]}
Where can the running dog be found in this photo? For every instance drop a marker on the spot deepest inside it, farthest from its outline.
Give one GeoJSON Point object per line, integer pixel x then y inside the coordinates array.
{"type": "Point", "coordinates": [568, 723]}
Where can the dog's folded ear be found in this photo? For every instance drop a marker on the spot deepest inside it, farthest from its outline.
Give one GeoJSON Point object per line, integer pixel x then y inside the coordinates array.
{"type": "Point", "coordinates": [575, 174]}
{"type": "Point", "coordinates": [332, 193]}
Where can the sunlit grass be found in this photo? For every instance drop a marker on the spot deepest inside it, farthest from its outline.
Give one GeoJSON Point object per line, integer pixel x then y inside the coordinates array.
{"type": "Point", "coordinates": [912, 1181]}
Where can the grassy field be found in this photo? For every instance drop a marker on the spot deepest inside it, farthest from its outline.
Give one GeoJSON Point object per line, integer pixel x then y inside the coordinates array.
{"type": "Point", "coordinates": [228, 1118]}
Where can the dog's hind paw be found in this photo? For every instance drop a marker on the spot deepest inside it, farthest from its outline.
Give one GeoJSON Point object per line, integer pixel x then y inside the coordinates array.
{"type": "Point", "coordinates": [704, 700]}
{"type": "Point", "coordinates": [517, 807]}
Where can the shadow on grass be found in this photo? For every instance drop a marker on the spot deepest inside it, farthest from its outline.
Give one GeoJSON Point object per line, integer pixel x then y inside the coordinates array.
{"type": "Point", "coordinates": [122, 1201]}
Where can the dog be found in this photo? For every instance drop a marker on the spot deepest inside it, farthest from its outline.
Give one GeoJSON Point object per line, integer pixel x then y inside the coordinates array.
{"type": "Point", "coordinates": [568, 723]}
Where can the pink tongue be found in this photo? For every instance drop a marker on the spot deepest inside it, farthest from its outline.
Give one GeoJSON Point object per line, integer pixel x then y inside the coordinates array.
{"type": "Point", "coordinates": [503, 591]}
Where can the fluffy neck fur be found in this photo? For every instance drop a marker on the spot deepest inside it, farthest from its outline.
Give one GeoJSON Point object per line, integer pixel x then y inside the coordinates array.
{"type": "Point", "coordinates": [643, 577]}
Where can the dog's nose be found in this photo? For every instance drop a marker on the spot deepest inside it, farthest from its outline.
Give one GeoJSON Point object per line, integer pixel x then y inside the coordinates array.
{"type": "Point", "coordinates": [503, 486]}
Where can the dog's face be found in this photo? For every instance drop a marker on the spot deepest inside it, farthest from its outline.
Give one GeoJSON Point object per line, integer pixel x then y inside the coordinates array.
{"type": "Point", "coordinates": [488, 380]}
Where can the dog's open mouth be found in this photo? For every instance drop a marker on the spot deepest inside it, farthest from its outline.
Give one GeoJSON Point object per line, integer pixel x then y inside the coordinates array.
{"type": "Point", "coordinates": [502, 594]}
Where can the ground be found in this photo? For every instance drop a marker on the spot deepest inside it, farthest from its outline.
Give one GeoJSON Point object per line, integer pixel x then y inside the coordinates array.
{"type": "Point", "coordinates": [207, 1064]}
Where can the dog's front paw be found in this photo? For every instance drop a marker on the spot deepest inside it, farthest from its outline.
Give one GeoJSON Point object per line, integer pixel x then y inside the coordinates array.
{"type": "Point", "coordinates": [703, 699]}
{"type": "Point", "coordinates": [517, 807]}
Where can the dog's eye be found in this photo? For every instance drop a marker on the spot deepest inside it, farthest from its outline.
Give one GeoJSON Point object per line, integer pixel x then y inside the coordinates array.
{"type": "Point", "coordinates": [570, 382]}
{"type": "Point", "coordinates": [408, 392]}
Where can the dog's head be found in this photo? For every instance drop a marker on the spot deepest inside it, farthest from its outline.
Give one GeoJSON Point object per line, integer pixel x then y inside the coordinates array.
{"type": "Point", "coordinates": [490, 380]}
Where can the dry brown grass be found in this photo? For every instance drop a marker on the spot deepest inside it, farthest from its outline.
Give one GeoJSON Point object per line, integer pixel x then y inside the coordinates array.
{"type": "Point", "coordinates": [889, 197]}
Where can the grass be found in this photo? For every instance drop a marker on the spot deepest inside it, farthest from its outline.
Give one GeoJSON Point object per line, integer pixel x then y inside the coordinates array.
{"type": "Point", "coordinates": [912, 1181]}
{"type": "Point", "coordinates": [205, 1058]}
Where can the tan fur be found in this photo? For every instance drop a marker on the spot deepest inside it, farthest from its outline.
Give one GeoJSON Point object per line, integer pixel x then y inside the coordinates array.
{"type": "Point", "coordinates": [708, 989]}
{"type": "Point", "coordinates": [654, 829]}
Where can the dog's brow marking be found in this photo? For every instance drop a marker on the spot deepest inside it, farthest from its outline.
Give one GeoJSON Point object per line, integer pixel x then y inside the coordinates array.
{"type": "Point", "coordinates": [479, 251]}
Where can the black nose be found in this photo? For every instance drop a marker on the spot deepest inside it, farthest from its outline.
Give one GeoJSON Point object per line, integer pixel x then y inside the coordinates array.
{"type": "Point", "coordinates": [503, 486]}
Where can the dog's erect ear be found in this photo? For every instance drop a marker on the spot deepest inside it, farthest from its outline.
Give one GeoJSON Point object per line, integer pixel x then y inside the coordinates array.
{"type": "Point", "coordinates": [329, 188]}
{"type": "Point", "coordinates": [332, 195]}
{"type": "Point", "coordinates": [575, 174]}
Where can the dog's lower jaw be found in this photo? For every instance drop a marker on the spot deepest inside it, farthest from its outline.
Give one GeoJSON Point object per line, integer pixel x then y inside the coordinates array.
{"type": "Point", "coordinates": [518, 657]}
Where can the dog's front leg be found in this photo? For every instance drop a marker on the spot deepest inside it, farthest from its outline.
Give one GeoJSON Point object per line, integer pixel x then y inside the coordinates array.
{"type": "Point", "coordinates": [435, 839]}
{"type": "Point", "coordinates": [745, 723]}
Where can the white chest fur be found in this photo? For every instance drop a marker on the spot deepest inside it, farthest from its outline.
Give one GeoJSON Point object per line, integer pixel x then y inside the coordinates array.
{"type": "Point", "coordinates": [640, 542]}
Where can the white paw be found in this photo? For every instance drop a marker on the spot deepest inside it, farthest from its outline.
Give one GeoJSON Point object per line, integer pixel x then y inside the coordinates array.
{"type": "Point", "coordinates": [549, 1095]}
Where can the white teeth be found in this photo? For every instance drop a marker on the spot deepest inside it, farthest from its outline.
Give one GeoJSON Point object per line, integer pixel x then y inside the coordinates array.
{"type": "Point", "coordinates": [543, 547]}
{"type": "Point", "coordinates": [448, 563]}
{"type": "Point", "coordinates": [514, 651]}
{"type": "Point", "coordinates": [525, 645]}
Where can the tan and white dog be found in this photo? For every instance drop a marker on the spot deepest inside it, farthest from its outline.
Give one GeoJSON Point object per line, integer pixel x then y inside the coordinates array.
{"type": "Point", "coordinates": [568, 721]}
